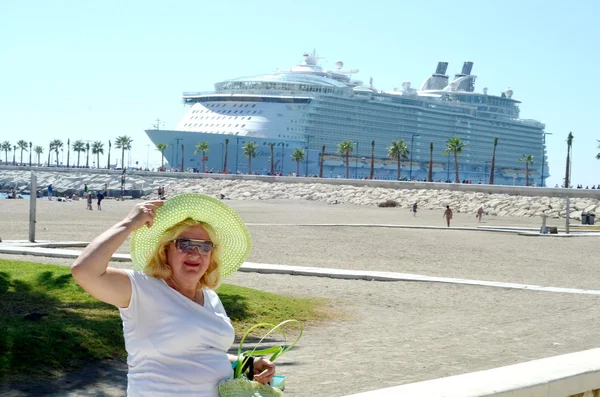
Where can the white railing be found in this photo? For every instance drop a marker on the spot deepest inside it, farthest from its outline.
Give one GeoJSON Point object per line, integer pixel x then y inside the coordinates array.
{"type": "Point", "coordinates": [569, 375]}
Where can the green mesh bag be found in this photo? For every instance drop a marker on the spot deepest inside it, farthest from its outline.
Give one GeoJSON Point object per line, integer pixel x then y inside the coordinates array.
{"type": "Point", "coordinates": [240, 386]}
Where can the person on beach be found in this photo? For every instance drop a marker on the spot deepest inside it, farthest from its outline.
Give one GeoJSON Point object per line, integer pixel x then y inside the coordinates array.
{"type": "Point", "coordinates": [176, 330]}
{"type": "Point", "coordinates": [414, 209]}
{"type": "Point", "coordinates": [448, 215]}
{"type": "Point", "coordinates": [480, 213]}
{"type": "Point", "coordinates": [89, 201]}
{"type": "Point", "coordinates": [50, 192]}
{"type": "Point", "coordinates": [85, 189]}
{"type": "Point", "coordinates": [99, 197]}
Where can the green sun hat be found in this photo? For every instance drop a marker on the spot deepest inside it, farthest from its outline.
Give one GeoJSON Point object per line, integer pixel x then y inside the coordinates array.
{"type": "Point", "coordinates": [230, 230]}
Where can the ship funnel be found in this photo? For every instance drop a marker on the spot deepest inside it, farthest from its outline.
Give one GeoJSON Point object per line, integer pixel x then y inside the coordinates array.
{"type": "Point", "coordinates": [467, 67]}
{"type": "Point", "coordinates": [463, 81]}
{"type": "Point", "coordinates": [441, 68]}
{"type": "Point", "coordinates": [438, 80]}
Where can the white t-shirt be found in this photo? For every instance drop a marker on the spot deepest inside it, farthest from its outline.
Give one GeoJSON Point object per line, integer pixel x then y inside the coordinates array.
{"type": "Point", "coordinates": [175, 346]}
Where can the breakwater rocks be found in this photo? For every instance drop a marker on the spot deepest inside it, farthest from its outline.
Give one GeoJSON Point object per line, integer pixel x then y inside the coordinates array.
{"type": "Point", "coordinates": [466, 202]}
{"type": "Point", "coordinates": [145, 185]}
{"type": "Point", "coordinates": [73, 181]}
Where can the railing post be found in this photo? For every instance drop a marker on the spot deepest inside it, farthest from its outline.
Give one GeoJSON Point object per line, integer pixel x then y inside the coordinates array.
{"type": "Point", "coordinates": [32, 207]}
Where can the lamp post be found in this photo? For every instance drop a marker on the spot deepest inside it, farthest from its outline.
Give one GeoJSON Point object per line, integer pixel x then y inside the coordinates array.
{"type": "Point", "coordinates": [237, 152]}
{"type": "Point", "coordinates": [147, 156]}
{"type": "Point", "coordinates": [412, 140]}
{"type": "Point", "coordinates": [543, 156]}
{"type": "Point", "coordinates": [222, 154]}
{"type": "Point", "coordinates": [356, 162]}
{"type": "Point", "coordinates": [172, 154]}
{"type": "Point", "coordinates": [177, 152]}
{"type": "Point", "coordinates": [306, 162]}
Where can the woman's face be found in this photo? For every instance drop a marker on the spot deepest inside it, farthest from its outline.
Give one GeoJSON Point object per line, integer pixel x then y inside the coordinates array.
{"type": "Point", "coordinates": [191, 263]}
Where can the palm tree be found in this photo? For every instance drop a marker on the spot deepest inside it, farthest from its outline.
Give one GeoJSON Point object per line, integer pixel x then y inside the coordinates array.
{"type": "Point", "coordinates": [108, 161]}
{"type": "Point", "coordinates": [7, 147]}
{"type": "Point", "coordinates": [39, 150]}
{"type": "Point", "coordinates": [322, 160]}
{"type": "Point", "coordinates": [455, 146]}
{"type": "Point", "coordinates": [527, 160]}
{"type": "Point", "coordinates": [87, 152]}
{"type": "Point", "coordinates": [49, 151]}
{"type": "Point", "coordinates": [56, 145]}
{"type": "Point", "coordinates": [30, 152]}
{"type": "Point", "coordinates": [298, 156]}
{"type": "Point", "coordinates": [372, 159]}
{"type": "Point", "coordinates": [493, 161]}
{"type": "Point", "coordinates": [345, 148]}
{"type": "Point", "coordinates": [202, 147]}
{"type": "Point", "coordinates": [271, 146]}
{"type": "Point", "coordinates": [14, 154]}
{"type": "Point", "coordinates": [21, 144]}
{"type": "Point", "coordinates": [568, 168]}
{"type": "Point", "coordinates": [97, 149]}
{"type": "Point", "coordinates": [68, 151]}
{"type": "Point", "coordinates": [226, 151]}
{"type": "Point", "coordinates": [78, 146]}
{"type": "Point", "coordinates": [124, 143]}
{"type": "Point", "coordinates": [250, 152]}
{"type": "Point", "coordinates": [430, 173]}
{"type": "Point", "coordinates": [399, 150]}
{"type": "Point", "coordinates": [161, 147]}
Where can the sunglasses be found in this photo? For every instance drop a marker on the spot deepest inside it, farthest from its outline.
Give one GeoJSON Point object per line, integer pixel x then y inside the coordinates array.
{"type": "Point", "coordinates": [189, 246]}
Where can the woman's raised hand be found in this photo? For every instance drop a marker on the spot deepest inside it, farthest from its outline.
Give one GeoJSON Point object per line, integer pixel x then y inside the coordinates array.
{"type": "Point", "coordinates": [143, 214]}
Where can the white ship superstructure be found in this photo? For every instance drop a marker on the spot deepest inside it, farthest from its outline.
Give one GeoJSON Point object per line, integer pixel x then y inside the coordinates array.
{"type": "Point", "coordinates": [309, 106]}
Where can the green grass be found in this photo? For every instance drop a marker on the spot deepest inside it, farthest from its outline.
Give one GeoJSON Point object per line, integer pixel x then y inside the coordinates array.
{"type": "Point", "coordinates": [80, 330]}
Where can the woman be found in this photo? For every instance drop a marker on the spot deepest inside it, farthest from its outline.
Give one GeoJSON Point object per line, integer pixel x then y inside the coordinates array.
{"type": "Point", "coordinates": [176, 330]}
{"type": "Point", "coordinates": [447, 215]}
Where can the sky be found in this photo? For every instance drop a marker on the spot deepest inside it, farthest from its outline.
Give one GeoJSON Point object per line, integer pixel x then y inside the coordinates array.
{"type": "Point", "coordinates": [97, 70]}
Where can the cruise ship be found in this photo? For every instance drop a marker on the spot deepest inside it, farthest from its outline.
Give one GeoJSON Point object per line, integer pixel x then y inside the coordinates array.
{"type": "Point", "coordinates": [310, 107]}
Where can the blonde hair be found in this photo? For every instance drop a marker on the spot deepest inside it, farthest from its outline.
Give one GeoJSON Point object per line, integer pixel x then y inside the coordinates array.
{"type": "Point", "coordinates": [158, 267]}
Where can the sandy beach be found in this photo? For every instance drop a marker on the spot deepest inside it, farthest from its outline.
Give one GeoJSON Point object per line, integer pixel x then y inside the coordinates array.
{"type": "Point", "coordinates": [390, 333]}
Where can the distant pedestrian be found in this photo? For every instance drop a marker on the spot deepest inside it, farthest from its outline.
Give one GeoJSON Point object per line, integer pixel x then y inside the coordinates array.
{"type": "Point", "coordinates": [100, 197]}
{"type": "Point", "coordinates": [89, 202]}
{"type": "Point", "coordinates": [480, 213]}
{"type": "Point", "coordinates": [50, 192]}
{"type": "Point", "coordinates": [414, 209]}
{"type": "Point", "coordinates": [85, 189]}
{"type": "Point", "coordinates": [105, 194]}
{"type": "Point", "coordinates": [448, 215]}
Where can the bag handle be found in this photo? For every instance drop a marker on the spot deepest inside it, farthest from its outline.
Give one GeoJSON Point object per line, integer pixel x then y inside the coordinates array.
{"type": "Point", "coordinates": [275, 351]}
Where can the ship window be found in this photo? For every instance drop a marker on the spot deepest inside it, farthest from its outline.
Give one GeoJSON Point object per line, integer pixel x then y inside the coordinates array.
{"type": "Point", "coordinates": [249, 118]}
{"type": "Point", "coordinates": [234, 105]}
{"type": "Point", "coordinates": [254, 112]}
{"type": "Point", "coordinates": [246, 105]}
{"type": "Point", "coordinates": [243, 125]}
{"type": "Point", "coordinates": [237, 125]}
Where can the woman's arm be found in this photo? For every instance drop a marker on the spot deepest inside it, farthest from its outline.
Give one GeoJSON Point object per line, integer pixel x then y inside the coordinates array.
{"type": "Point", "coordinates": [91, 270]}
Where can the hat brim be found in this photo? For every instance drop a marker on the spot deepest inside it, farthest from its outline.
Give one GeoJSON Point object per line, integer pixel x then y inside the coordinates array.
{"type": "Point", "coordinates": [230, 230]}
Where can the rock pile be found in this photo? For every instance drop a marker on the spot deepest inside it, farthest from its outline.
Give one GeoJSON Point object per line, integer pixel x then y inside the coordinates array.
{"type": "Point", "coordinates": [494, 204]}
{"type": "Point", "coordinates": [467, 202]}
